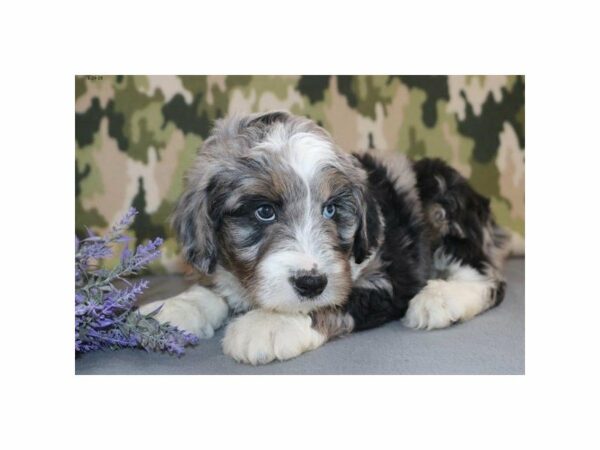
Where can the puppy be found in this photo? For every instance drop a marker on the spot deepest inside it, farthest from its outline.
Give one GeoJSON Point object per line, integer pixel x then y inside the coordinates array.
{"type": "Point", "coordinates": [304, 242]}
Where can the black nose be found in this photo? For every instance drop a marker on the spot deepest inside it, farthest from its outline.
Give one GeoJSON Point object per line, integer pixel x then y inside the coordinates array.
{"type": "Point", "coordinates": [309, 285]}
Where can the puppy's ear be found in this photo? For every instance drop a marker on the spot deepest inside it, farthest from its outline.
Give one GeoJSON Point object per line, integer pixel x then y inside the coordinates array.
{"type": "Point", "coordinates": [195, 229]}
{"type": "Point", "coordinates": [369, 227]}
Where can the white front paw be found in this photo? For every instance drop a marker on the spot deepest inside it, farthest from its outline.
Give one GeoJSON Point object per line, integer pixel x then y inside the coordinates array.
{"type": "Point", "coordinates": [197, 310]}
{"type": "Point", "coordinates": [429, 309]}
{"type": "Point", "coordinates": [259, 337]}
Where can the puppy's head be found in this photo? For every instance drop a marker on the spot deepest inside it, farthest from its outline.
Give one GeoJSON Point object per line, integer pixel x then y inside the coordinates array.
{"type": "Point", "coordinates": [273, 201]}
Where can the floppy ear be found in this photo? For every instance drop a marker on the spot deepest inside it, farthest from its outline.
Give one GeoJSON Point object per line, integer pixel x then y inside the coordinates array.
{"type": "Point", "coordinates": [195, 230]}
{"type": "Point", "coordinates": [369, 227]}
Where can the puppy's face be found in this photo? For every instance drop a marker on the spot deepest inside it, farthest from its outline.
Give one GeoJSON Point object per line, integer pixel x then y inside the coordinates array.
{"type": "Point", "coordinates": [274, 202]}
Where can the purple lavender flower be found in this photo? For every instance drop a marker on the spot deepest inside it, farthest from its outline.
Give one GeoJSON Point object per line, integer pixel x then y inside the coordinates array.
{"type": "Point", "coordinates": [105, 316]}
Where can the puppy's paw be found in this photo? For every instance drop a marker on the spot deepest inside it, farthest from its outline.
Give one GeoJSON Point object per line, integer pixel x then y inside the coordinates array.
{"type": "Point", "coordinates": [444, 302]}
{"type": "Point", "coordinates": [197, 310]}
{"type": "Point", "coordinates": [259, 337]}
{"type": "Point", "coordinates": [431, 308]}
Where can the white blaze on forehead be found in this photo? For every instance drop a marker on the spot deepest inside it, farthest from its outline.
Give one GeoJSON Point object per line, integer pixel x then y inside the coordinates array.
{"type": "Point", "coordinates": [305, 152]}
{"type": "Point", "coordinates": [308, 153]}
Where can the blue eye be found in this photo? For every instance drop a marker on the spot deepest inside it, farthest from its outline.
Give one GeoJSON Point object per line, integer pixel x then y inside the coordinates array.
{"type": "Point", "coordinates": [265, 213]}
{"type": "Point", "coordinates": [329, 211]}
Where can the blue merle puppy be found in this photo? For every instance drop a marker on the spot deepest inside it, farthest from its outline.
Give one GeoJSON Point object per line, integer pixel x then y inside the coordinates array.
{"type": "Point", "coordinates": [302, 242]}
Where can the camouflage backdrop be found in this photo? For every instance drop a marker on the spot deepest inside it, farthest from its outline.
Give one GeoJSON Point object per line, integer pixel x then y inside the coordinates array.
{"type": "Point", "coordinates": [135, 135]}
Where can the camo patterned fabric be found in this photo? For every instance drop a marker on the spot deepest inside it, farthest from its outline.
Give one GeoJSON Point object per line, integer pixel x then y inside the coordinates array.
{"type": "Point", "coordinates": [136, 135]}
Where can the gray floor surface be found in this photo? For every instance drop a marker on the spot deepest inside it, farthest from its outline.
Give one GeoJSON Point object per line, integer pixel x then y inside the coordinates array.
{"type": "Point", "coordinates": [493, 343]}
